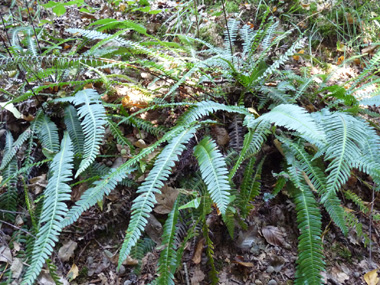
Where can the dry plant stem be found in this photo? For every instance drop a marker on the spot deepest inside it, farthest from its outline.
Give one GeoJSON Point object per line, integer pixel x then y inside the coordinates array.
{"type": "Point", "coordinates": [228, 31]}
{"type": "Point", "coordinates": [16, 227]}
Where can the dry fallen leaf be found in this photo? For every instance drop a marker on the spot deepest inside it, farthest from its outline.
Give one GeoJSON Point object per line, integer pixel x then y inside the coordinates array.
{"type": "Point", "coordinates": [73, 273]}
{"type": "Point", "coordinates": [340, 60]}
{"type": "Point", "coordinates": [67, 250]}
{"type": "Point", "coordinates": [273, 236]}
{"type": "Point", "coordinates": [165, 200]}
{"type": "Point", "coordinates": [240, 260]}
{"type": "Point", "coordinates": [371, 278]}
{"type": "Point", "coordinates": [198, 252]}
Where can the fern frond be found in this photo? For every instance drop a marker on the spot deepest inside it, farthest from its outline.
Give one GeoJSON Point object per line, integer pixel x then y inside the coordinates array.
{"type": "Point", "coordinates": [109, 181]}
{"type": "Point", "coordinates": [357, 200]}
{"type": "Point", "coordinates": [214, 172]}
{"type": "Point", "coordinates": [204, 108]}
{"type": "Point", "coordinates": [294, 118]}
{"type": "Point", "coordinates": [117, 134]}
{"type": "Point", "coordinates": [8, 155]}
{"type": "Point", "coordinates": [8, 200]}
{"type": "Point", "coordinates": [47, 132]}
{"type": "Point", "coordinates": [344, 140]}
{"type": "Point", "coordinates": [54, 209]}
{"type": "Point", "coordinates": [213, 274]}
{"type": "Point", "coordinates": [93, 116]}
{"type": "Point", "coordinates": [144, 203]}
{"type": "Point", "coordinates": [317, 178]}
{"type": "Point", "coordinates": [167, 261]}
{"type": "Point", "coordinates": [250, 186]}
{"type": "Point", "coordinates": [74, 128]}
{"type": "Point", "coordinates": [310, 256]}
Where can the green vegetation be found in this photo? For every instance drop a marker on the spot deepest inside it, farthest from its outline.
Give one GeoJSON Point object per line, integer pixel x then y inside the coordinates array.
{"type": "Point", "coordinates": [322, 131]}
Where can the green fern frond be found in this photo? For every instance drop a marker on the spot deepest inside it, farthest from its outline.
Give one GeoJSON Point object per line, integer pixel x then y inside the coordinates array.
{"type": "Point", "coordinates": [74, 128]}
{"type": "Point", "coordinates": [47, 132]}
{"type": "Point", "coordinates": [344, 143]}
{"type": "Point", "coordinates": [93, 116]}
{"type": "Point", "coordinates": [294, 118]}
{"type": "Point", "coordinates": [213, 274]}
{"type": "Point", "coordinates": [117, 134]}
{"type": "Point", "coordinates": [250, 186]}
{"type": "Point", "coordinates": [167, 261]}
{"type": "Point", "coordinates": [8, 200]}
{"type": "Point", "coordinates": [214, 172]}
{"type": "Point", "coordinates": [204, 108]}
{"type": "Point", "coordinates": [54, 209]}
{"type": "Point", "coordinates": [8, 155]}
{"type": "Point", "coordinates": [283, 58]}
{"type": "Point", "coordinates": [317, 178]}
{"type": "Point", "coordinates": [144, 203]}
{"type": "Point", "coordinates": [109, 181]}
{"type": "Point", "coordinates": [147, 126]}
{"type": "Point", "coordinates": [310, 256]}
{"type": "Point", "coordinates": [357, 200]}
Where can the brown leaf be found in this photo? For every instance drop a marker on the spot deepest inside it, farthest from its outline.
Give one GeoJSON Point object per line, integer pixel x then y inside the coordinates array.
{"type": "Point", "coordinates": [165, 200]}
{"type": "Point", "coordinates": [240, 260]}
{"type": "Point", "coordinates": [198, 251]}
{"type": "Point", "coordinates": [273, 236]}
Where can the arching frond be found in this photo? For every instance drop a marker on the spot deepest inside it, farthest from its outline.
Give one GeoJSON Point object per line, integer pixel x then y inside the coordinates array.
{"type": "Point", "coordinates": [144, 203]}
{"type": "Point", "coordinates": [294, 118]}
{"type": "Point", "coordinates": [54, 209]}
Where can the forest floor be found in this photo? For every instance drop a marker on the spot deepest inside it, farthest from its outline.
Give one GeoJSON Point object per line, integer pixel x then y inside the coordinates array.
{"type": "Point", "coordinates": [266, 252]}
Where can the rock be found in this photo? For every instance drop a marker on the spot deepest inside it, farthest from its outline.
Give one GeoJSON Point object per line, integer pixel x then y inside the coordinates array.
{"type": "Point", "coordinates": [272, 282]}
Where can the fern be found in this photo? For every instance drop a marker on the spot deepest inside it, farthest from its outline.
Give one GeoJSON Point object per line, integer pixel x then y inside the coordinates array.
{"type": "Point", "coordinates": [250, 186]}
{"type": "Point", "coordinates": [345, 139]}
{"type": "Point", "coordinates": [11, 152]}
{"type": "Point", "coordinates": [292, 117]}
{"type": "Point", "coordinates": [47, 133]}
{"type": "Point", "coordinates": [92, 114]}
{"type": "Point", "coordinates": [144, 203]}
{"type": "Point", "coordinates": [310, 256]}
{"type": "Point", "coordinates": [318, 180]}
{"type": "Point", "coordinates": [54, 209]}
{"type": "Point", "coordinates": [74, 128]}
{"type": "Point", "coordinates": [214, 172]}
{"type": "Point", "coordinates": [8, 200]}
{"type": "Point", "coordinates": [167, 261]}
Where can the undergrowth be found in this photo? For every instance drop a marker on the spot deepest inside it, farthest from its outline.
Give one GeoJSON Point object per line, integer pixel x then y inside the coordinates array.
{"type": "Point", "coordinates": [242, 80]}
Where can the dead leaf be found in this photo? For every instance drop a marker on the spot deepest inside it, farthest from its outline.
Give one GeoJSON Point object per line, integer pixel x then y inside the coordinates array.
{"type": "Point", "coordinates": [198, 276]}
{"type": "Point", "coordinates": [221, 135]}
{"type": "Point", "coordinates": [16, 268]}
{"type": "Point", "coordinates": [73, 273]}
{"type": "Point", "coordinates": [165, 200]}
{"type": "Point", "coordinates": [240, 260]}
{"type": "Point", "coordinates": [67, 250]}
{"type": "Point", "coordinates": [340, 60]}
{"type": "Point", "coordinates": [5, 254]}
{"type": "Point", "coordinates": [197, 257]}
{"type": "Point", "coordinates": [273, 236]}
{"type": "Point", "coordinates": [371, 278]}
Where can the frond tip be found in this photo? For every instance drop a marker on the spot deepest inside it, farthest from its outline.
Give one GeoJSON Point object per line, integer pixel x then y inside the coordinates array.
{"type": "Point", "coordinates": [214, 172]}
